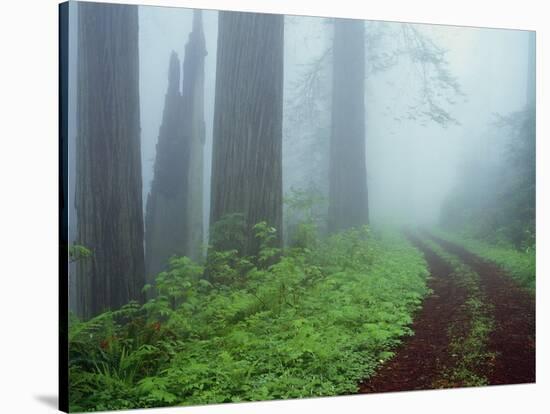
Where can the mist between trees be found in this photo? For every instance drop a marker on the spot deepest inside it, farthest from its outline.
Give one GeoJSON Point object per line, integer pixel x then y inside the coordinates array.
{"type": "Point", "coordinates": [284, 119]}
{"type": "Point", "coordinates": [265, 206]}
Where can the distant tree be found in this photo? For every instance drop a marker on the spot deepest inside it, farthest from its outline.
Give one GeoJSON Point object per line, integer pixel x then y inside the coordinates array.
{"type": "Point", "coordinates": [348, 198]}
{"type": "Point", "coordinates": [385, 46]}
{"type": "Point", "coordinates": [495, 199]}
{"type": "Point", "coordinates": [108, 165]}
{"type": "Point", "coordinates": [516, 199]}
{"type": "Point", "coordinates": [166, 226]}
{"type": "Point", "coordinates": [247, 137]}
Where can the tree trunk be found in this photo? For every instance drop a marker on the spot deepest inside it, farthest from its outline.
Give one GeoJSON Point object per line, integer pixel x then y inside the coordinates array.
{"type": "Point", "coordinates": [194, 127]}
{"type": "Point", "coordinates": [247, 137]}
{"type": "Point", "coordinates": [108, 199]}
{"type": "Point", "coordinates": [348, 200]}
{"type": "Point", "coordinates": [165, 220]}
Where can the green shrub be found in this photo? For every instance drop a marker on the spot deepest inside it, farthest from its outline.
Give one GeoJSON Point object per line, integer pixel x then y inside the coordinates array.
{"type": "Point", "coordinates": [521, 264]}
{"type": "Point", "coordinates": [312, 323]}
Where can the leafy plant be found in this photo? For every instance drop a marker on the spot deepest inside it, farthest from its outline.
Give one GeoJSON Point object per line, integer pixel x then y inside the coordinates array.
{"type": "Point", "coordinates": [304, 217]}
{"type": "Point", "coordinates": [313, 322]}
{"type": "Point", "coordinates": [520, 264]}
{"type": "Point", "coordinates": [78, 252]}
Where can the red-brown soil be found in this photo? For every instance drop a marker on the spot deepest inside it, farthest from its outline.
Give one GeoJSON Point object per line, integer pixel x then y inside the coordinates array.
{"type": "Point", "coordinates": [421, 357]}
{"type": "Point", "coordinates": [513, 338]}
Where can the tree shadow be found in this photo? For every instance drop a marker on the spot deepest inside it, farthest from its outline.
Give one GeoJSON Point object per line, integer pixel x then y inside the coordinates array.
{"type": "Point", "coordinates": [51, 401]}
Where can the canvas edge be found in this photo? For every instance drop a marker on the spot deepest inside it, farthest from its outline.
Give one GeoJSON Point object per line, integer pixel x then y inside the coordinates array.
{"type": "Point", "coordinates": [63, 286]}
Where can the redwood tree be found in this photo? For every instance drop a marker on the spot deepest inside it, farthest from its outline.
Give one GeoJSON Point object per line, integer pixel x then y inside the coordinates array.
{"type": "Point", "coordinates": [247, 137]}
{"type": "Point", "coordinates": [108, 167]}
{"type": "Point", "coordinates": [348, 199]}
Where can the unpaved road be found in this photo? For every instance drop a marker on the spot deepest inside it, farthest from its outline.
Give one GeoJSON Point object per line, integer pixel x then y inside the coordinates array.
{"type": "Point", "coordinates": [423, 357]}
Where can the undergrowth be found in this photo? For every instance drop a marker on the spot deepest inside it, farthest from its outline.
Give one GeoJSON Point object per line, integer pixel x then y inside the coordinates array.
{"type": "Point", "coordinates": [313, 322]}
{"type": "Point", "coordinates": [520, 264]}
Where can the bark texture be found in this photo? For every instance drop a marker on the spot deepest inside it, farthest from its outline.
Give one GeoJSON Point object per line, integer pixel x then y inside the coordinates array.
{"type": "Point", "coordinates": [165, 220]}
{"type": "Point", "coordinates": [194, 130]}
{"type": "Point", "coordinates": [247, 141]}
{"type": "Point", "coordinates": [108, 188]}
{"type": "Point", "coordinates": [348, 198]}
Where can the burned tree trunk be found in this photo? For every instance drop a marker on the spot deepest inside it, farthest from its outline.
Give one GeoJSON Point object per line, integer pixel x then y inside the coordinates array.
{"type": "Point", "coordinates": [108, 200]}
{"type": "Point", "coordinates": [348, 201]}
{"type": "Point", "coordinates": [247, 141]}
{"type": "Point", "coordinates": [165, 221]}
{"type": "Point", "coordinates": [174, 208]}
{"type": "Point", "coordinates": [194, 130]}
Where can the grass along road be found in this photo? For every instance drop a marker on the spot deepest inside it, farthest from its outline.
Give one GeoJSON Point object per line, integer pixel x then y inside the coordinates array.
{"type": "Point", "coordinates": [476, 328]}
{"type": "Point", "coordinates": [513, 336]}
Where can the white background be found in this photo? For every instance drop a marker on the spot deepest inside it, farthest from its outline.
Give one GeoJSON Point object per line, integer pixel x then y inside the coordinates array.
{"type": "Point", "coordinates": [28, 216]}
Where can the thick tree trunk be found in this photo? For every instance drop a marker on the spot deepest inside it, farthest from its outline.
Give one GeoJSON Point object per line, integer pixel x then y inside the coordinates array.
{"type": "Point", "coordinates": [194, 127]}
{"type": "Point", "coordinates": [165, 220]}
{"type": "Point", "coordinates": [247, 141]}
{"type": "Point", "coordinates": [348, 200]}
{"type": "Point", "coordinates": [108, 200]}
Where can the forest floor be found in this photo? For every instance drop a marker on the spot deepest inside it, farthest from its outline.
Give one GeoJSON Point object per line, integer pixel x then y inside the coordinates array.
{"type": "Point", "coordinates": [476, 328]}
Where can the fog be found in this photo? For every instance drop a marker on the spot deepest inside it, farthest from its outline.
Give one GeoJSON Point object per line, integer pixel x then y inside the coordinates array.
{"type": "Point", "coordinates": [295, 204]}
{"type": "Point", "coordinates": [414, 166]}
{"type": "Point", "coordinates": [413, 161]}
